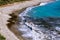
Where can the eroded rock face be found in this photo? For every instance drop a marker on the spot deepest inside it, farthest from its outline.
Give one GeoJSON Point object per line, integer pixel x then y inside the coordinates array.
{"type": "Point", "coordinates": [34, 28]}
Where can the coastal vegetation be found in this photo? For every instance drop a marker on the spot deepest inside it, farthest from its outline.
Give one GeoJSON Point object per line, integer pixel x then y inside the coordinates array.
{"type": "Point", "coordinates": [3, 2]}
{"type": "Point", "coordinates": [1, 37]}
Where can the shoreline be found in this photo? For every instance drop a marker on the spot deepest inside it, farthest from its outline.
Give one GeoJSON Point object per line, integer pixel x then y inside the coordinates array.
{"type": "Point", "coordinates": [4, 16]}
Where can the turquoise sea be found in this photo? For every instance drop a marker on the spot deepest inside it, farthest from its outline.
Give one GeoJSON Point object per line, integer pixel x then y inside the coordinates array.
{"type": "Point", "coordinates": [48, 10]}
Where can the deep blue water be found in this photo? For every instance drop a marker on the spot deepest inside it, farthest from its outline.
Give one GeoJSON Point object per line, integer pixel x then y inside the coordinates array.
{"type": "Point", "coordinates": [48, 10]}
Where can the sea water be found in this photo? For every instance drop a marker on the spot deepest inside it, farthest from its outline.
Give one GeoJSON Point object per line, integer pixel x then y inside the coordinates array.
{"type": "Point", "coordinates": [41, 22]}
{"type": "Point", "coordinates": [48, 10]}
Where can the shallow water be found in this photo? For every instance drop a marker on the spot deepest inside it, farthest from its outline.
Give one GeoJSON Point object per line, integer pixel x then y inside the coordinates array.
{"type": "Point", "coordinates": [41, 22]}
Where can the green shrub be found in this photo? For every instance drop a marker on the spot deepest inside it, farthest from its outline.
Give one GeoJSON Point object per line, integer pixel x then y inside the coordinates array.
{"type": "Point", "coordinates": [1, 37]}
{"type": "Point", "coordinates": [3, 2]}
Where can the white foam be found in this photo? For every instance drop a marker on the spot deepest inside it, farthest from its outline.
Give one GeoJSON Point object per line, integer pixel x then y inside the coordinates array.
{"type": "Point", "coordinates": [57, 28]}
{"type": "Point", "coordinates": [24, 12]}
{"type": "Point", "coordinates": [27, 35]}
{"type": "Point", "coordinates": [42, 4]}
